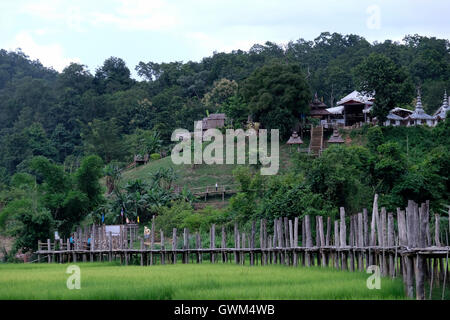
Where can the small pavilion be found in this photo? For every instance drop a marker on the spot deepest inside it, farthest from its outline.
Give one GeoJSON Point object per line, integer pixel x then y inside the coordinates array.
{"type": "Point", "coordinates": [295, 139]}
{"type": "Point", "coordinates": [335, 138]}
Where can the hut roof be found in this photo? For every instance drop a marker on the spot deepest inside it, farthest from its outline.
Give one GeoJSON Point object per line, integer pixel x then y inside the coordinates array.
{"type": "Point", "coordinates": [336, 137]}
{"type": "Point", "coordinates": [356, 97]}
{"type": "Point", "coordinates": [316, 103]}
{"type": "Point", "coordinates": [295, 139]}
{"type": "Point", "coordinates": [217, 116]}
{"type": "Point", "coordinates": [336, 110]}
{"type": "Point", "coordinates": [319, 112]}
{"type": "Point", "coordinates": [393, 116]}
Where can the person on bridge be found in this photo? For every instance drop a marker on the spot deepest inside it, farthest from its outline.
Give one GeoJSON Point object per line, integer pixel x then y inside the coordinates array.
{"type": "Point", "coordinates": [72, 242]}
{"type": "Point", "coordinates": [217, 186]}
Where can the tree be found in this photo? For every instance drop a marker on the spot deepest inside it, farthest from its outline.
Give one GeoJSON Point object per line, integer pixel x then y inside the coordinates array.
{"type": "Point", "coordinates": [114, 75]}
{"type": "Point", "coordinates": [104, 139]}
{"type": "Point", "coordinates": [390, 83]}
{"type": "Point", "coordinates": [88, 180]}
{"type": "Point", "coordinates": [277, 95]}
{"type": "Point", "coordinates": [221, 91]}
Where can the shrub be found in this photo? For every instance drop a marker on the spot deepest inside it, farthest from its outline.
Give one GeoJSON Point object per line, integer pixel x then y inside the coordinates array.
{"type": "Point", "coordinates": [155, 156]}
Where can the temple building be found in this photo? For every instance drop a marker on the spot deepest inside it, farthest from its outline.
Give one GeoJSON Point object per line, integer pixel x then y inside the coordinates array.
{"type": "Point", "coordinates": [441, 113]}
{"type": "Point", "coordinates": [419, 117]}
{"type": "Point", "coordinates": [355, 107]}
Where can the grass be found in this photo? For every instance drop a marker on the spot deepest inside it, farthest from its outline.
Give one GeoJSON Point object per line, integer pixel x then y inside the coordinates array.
{"type": "Point", "coordinates": [204, 281]}
{"type": "Point", "coordinates": [202, 175]}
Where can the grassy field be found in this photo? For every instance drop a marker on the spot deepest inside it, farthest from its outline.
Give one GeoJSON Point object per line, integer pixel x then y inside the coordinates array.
{"type": "Point", "coordinates": [205, 281]}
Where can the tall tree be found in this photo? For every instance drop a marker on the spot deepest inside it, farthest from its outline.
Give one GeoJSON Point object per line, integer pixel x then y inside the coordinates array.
{"type": "Point", "coordinates": [389, 82]}
{"type": "Point", "coordinates": [277, 95]}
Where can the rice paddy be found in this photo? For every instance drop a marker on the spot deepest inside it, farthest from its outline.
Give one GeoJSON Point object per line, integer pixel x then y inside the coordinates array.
{"type": "Point", "coordinates": [205, 281]}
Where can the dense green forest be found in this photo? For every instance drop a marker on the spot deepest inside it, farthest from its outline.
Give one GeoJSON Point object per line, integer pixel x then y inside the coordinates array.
{"type": "Point", "coordinates": [66, 115]}
{"type": "Point", "coordinates": [61, 132]}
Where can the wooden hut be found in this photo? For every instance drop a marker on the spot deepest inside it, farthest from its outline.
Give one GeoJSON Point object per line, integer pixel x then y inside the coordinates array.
{"type": "Point", "coordinates": [214, 121]}
{"type": "Point", "coordinates": [295, 139]}
{"type": "Point", "coordinates": [355, 107]}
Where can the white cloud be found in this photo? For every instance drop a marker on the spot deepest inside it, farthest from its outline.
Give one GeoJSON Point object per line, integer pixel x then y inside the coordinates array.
{"type": "Point", "coordinates": [56, 11]}
{"type": "Point", "coordinates": [140, 15]}
{"type": "Point", "coordinates": [51, 55]}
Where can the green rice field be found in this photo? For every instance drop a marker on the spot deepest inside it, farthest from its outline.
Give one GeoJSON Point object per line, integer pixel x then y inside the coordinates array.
{"type": "Point", "coordinates": [204, 281]}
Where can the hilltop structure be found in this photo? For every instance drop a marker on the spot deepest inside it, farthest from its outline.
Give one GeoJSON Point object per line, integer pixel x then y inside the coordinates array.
{"type": "Point", "coordinates": [441, 113]}
{"type": "Point", "coordinates": [419, 116]}
{"type": "Point", "coordinates": [318, 109]}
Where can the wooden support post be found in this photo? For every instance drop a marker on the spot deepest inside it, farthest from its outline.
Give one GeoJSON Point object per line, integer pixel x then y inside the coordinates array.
{"type": "Point", "coordinates": [309, 243]}
{"type": "Point", "coordinates": [303, 242]}
{"type": "Point", "coordinates": [360, 240]}
{"type": "Point", "coordinates": [373, 234]}
{"type": "Point", "coordinates": [252, 244]}
{"type": "Point", "coordinates": [110, 245]}
{"type": "Point", "coordinates": [295, 241]}
{"type": "Point", "coordinates": [49, 249]}
{"type": "Point", "coordinates": [420, 277]}
{"type": "Point", "coordinates": [142, 252]}
{"type": "Point", "coordinates": [224, 245]}
{"type": "Point", "coordinates": [343, 238]}
{"type": "Point", "coordinates": [267, 241]}
{"type": "Point", "coordinates": [213, 243]}
{"type": "Point", "coordinates": [236, 244]}
{"type": "Point", "coordinates": [39, 250]}
{"type": "Point", "coordinates": [163, 247]}
{"type": "Point", "coordinates": [437, 240]}
{"type": "Point", "coordinates": [280, 240]}
{"type": "Point", "coordinates": [286, 239]}
{"type": "Point", "coordinates": [185, 246]}
{"type": "Point", "coordinates": [261, 240]}
{"type": "Point", "coordinates": [336, 244]}
{"type": "Point", "coordinates": [275, 241]}
{"type": "Point", "coordinates": [60, 249]}
{"type": "Point", "coordinates": [152, 241]}
{"type": "Point", "coordinates": [197, 246]}
{"type": "Point", "coordinates": [243, 247]}
{"type": "Point", "coordinates": [390, 242]}
{"type": "Point", "coordinates": [174, 245]}
{"type": "Point", "coordinates": [383, 237]}
{"type": "Point", "coordinates": [321, 239]}
{"type": "Point", "coordinates": [352, 243]}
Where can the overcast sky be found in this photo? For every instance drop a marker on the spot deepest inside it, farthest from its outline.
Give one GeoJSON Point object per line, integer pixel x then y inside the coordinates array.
{"type": "Point", "coordinates": [88, 31]}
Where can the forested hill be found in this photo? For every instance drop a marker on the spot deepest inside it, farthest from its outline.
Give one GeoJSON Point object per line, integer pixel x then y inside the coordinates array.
{"type": "Point", "coordinates": [63, 116]}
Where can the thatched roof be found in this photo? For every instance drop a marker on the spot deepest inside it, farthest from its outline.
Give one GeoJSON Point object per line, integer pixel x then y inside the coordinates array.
{"type": "Point", "coordinates": [336, 138]}
{"type": "Point", "coordinates": [294, 139]}
{"type": "Point", "coordinates": [217, 116]}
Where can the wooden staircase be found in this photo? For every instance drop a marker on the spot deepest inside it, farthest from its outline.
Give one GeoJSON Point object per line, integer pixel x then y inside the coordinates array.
{"type": "Point", "coordinates": [316, 144]}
